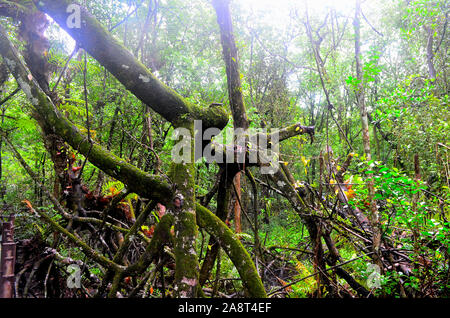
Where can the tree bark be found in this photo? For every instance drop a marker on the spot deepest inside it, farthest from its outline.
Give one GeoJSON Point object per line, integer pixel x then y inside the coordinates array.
{"type": "Point", "coordinates": [430, 54]}
{"type": "Point", "coordinates": [109, 52]}
{"type": "Point", "coordinates": [45, 112]}
{"type": "Point", "coordinates": [237, 106]}
{"type": "Point", "coordinates": [373, 215]}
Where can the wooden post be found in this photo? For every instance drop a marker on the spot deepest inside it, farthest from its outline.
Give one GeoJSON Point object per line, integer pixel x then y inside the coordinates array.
{"type": "Point", "coordinates": [8, 259]}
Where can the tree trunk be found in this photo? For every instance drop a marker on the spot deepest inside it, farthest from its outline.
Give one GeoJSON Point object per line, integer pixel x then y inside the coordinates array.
{"type": "Point", "coordinates": [115, 57]}
{"type": "Point", "coordinates": [430, 54]}
{"type": "Point", "coordinates": [237, 106]}
{"type": "Point", "coordinates": [374, 217]}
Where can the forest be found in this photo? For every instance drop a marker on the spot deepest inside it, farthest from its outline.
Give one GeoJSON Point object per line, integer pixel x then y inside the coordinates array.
{"type": "Point", "coordinates": [224, 149]}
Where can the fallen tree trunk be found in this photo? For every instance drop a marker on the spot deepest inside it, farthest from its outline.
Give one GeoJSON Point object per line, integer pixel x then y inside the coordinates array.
{"type": "Point", "coordinates": [137, 78]}
{"type": "Point", "coordinates": [45, 112]}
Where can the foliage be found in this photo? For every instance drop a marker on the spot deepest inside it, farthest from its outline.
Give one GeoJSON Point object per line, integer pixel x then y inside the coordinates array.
{"type": "Point", "coordinates": [281, 84]}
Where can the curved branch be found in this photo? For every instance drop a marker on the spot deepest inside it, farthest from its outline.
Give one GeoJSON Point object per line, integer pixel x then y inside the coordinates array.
{"type": "Point", "coordinates": [140, 182]}
{"type": "Point", "coordinates": [137, 78]}
{"type": "Point", "coordinates": [234, 249]}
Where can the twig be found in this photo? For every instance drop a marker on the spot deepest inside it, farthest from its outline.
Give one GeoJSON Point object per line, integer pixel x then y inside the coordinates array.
{"type": "Point", "coordinates": [443, 34]}
{"type": "Point", "coordinates": [87, 118]}
{"type": "Point", "coordinates": [316, 273]}
{"type": "Point", "coordinates": [10, 96]}
{"type": "Point", "coordinates": [373, 28]}
{"type": "Point", "coordinates": [65, 67]}
{"type": "Point", "coordinates": [320, 67]}
{"type": "Point", "coordinates": [242, 208]}
{"type": "Point", "coordinates": [126, 18]}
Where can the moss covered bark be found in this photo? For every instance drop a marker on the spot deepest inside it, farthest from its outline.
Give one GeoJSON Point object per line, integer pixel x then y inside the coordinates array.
{"type": "Point", "coordinates": [145, 184]}
{"type": "Point", "coordinates": [137, 78]}
{"type": "Point", "coordinates": [223, 203]}
{"type": "Point", "coordinates": [183, 206]}
{"type": "Point", "coordinates": [235, 251]}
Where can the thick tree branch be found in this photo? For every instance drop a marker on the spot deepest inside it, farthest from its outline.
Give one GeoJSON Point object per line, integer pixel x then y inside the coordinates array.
{"type": "Point", "coordinates": [232, 63]}
{"type": "Point", "coordinates": [109, 52]}
{"type": "Point", "coordinates": [140, 182]}
{"type": "Point", "coordinates": [234, 249]}
{"type": "Point", "coordinates": [293, 130]}
{"type": "Point", "coordinates": [231, 59]}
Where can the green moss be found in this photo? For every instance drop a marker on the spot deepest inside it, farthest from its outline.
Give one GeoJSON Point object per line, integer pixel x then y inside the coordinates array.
{"type": "Point", "coordinates": [234, 249]}
{"type": "Point", "coordinates": [136, 77]}
{"type": "Point", "coordinates": [183, 177]}
{"type": "Point", "coordinates": [140, 182]}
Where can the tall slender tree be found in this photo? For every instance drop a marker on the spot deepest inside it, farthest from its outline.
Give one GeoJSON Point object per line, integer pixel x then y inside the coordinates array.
{"type": "Point", "coordinates": [360, 99]}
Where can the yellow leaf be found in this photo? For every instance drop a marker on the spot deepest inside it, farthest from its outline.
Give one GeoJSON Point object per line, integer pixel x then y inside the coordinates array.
{"type": "Point", "coordinates": [305, 162]}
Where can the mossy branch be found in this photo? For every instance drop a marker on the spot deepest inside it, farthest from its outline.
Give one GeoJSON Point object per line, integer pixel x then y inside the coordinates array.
{"type": "Point", "coordinates": [138, 181]}
{"type": "Point", "coordinates": [293, 130]}
{"type": "Point", "coordinates": [234, 249]}
{"type": "Point", "coordinates": [134, 75]}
